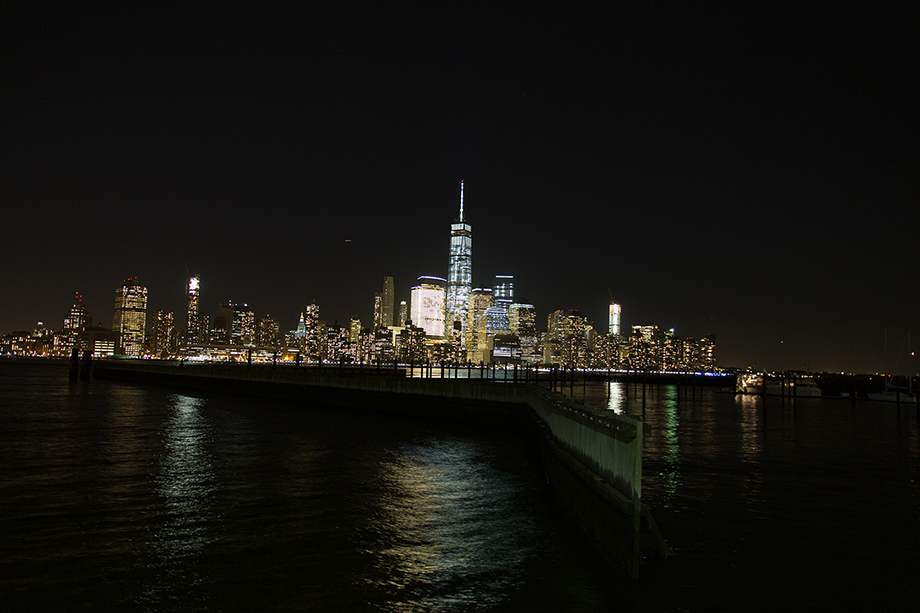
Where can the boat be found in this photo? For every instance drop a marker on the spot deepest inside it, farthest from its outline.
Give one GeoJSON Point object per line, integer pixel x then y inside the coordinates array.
{"type": "Point", "coordinates": [892, 393]}
{"type": "Point", "coordinates": [798, 386]}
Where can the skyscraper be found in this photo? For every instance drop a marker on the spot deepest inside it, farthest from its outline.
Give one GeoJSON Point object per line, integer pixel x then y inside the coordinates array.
{"type": "Point", "coordinates": [428, 305]}
{"type": "Point", "coordinates": [194, 331]}
{"type": "Point", "coordinates": [503, 290]}
{"type": "Point", "coordinates": [614, 319]}
{"type": "Point", "coordinates": [476, 334]}
{"type": "Point", "coordinates": [243, 328]}
{"type": "Point", "coordinates": [403, 314]}
{"type": "Point", "coordinates": [523, 319]}
{"type": "Point", "coordinates": [459, 273]}
{"type": "Point", "coordinates": [76, 321]}
{"type": "Point", "coordinates": [386, 303]}
{"type": "Point", "coordinates": [130, 318]}
{"type": "Point", "coordinates": [163, 334]}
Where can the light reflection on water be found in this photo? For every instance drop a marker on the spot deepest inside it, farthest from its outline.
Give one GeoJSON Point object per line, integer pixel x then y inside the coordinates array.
{"type": "Point", "coordinates": [441, 543]}
{"type": "Point", "coordinates": [186, 482]}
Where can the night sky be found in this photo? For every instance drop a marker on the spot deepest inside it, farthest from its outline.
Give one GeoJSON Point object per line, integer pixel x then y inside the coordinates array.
{"type": "Point", "coordinates": [716, 167]}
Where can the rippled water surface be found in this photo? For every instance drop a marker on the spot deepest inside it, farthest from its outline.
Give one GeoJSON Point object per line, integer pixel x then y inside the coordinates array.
{"type": "Point", "coordinates": [142, 498]}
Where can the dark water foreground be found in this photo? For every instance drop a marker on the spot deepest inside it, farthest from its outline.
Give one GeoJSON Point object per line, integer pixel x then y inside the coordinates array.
{"type": "Point", "coordinates": [140, 498]}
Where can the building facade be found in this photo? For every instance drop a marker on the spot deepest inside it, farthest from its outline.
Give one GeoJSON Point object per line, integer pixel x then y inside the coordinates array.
{"type": "Point", "coordinates": [195, 328]}
{"type": "Point", "coordinates": [130, 321]}
{"type": "Point", "coordinates": [613, 319]}
{"type": "Point", "coordinates": [460, 270]}
{"type": "Point", "coordinates": [427, 305]}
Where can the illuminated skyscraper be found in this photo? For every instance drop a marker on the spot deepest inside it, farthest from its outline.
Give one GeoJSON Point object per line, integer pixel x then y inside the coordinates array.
{"type": "Point", "coordinates": [386, 303]}
{"type": "Point", "coordinates": [267, 334]}
{"type": "Point", "coordinates": [614, 319]}
{"type": "Point", "coordinates": [476, 331]}
{"type": "Point", "coordinates": [523, 319]}
{"type": "Point", "coordinates": [378, 312]}
{"type": "Point", "coordinates": [503, 295]}
{"type": "Point", "coordinates": [130, 318]}
{"type": "Point", "coordinates": [428, 305]}
{"type": "Point", "coordinates": [163, 334]}
{"type": "Point", "coordinates": [460, 272]}
{"type": "Point", "coordinates": [503, 290]}
{"type": "Point", "coordinates": [314, 332]}
{"type": "Point", "coordinates": [403, 314]}
{"type": "Point", "coordinates": [354, 330]}
{"type": "Point", "coordinates": [243, 328]}
{"type": "Point", "coordinates": [77, 320]}
{"type": "Point", "coordinates": [194, 331]}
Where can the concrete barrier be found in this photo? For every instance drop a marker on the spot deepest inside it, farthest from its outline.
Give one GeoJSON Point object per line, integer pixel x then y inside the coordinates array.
{"type": "Point", "coordinates": [593, 458]}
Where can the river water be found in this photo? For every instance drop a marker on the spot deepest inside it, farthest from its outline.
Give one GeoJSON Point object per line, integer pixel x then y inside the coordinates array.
{"type": "Point", "coordinates": [118, 497]}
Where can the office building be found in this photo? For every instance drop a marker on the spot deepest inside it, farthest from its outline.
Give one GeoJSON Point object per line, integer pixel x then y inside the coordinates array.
{"type": "Point", "coordinates": [244, 326]}
{"type": "Point", "coordinates": [386, 303]}
{"type": "Point", "coordinates": [427, 305]}
{"type": "Point", "coordinates": [164, 332]}
{"type": "Point", "coordinates": [613, 319]}
{"type": "Point", "coordinates": [194, 323]}
{"type": "Point", "coordinates": [503, 290]}
{"type": "Point", "coordinates": [522, 317]}
{"type": "Point", "coordinates": [76, 321]}
{"type": "Point", "coordinates": [130, 321]}
{"type": "Point", "coordinates": [354, 330]}
{"type": "Point", "coordinates": [460, 271]}
{"type": "Point", "coordinates": [481, 300]}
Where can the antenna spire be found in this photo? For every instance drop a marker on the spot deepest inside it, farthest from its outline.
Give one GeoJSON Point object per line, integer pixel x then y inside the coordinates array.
{"type": "Point", "coordinates": [461, 199]}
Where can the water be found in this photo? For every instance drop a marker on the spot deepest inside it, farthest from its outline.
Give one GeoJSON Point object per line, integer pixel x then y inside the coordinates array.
{"type": "Point", "coordinates": [120, 497]}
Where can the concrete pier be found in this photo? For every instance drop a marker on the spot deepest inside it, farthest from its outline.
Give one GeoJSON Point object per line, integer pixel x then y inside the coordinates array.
{"type": "Point", "coordinates": [592, 458]}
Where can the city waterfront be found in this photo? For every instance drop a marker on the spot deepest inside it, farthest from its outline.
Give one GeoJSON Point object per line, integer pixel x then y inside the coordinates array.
{"type": "Point", "coordinates": [134, 497]}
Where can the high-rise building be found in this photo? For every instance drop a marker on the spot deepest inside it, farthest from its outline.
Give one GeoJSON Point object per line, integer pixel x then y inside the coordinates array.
{"type": "Point", "coordinates": [460, 271]}
{"type": "Point", "coordinates": [301, 331]}
{"type": "Point", "coordinates": [562, 324]}
{"type": "Point", "coordinates": [314, 333]}
{"type": "Point", "coordinates": [76, 321]}
{"type": "Point", "coordinates": [244, 326]}
{"type": "Point", "coordinates": [78, 318]}
{"type": "Point", "coordinates": [476, 333]}
{"type": "Point", "coordinates": [222, 332]}
{"type": "Point", "coordinates": [503, 290]}
{"type": "Point", "coordinates": [354, 330]}
{"type": "Point", "coordinates": [427, 308]}
{"type": "Point", "coordinates": [386, 303]}
{"type": "Point", "coordinates": [163, 334]}
{"type": "Point", "coordinates": [522, 316]}
{"type": "Point", "coordinates": [194, 330]}
{"type": "Point", "coordinates": [378, 312]}
{"type": "Point", "coordinates": [403, 314]}
{"type": "Point", "coordinates": [497, 320]}
{"type": "Point", "coordinates": [614, 319]}
{"type": "Point", "coordinates": [130, 319]}
{"type": "Point", "coordinates": [267, 335]}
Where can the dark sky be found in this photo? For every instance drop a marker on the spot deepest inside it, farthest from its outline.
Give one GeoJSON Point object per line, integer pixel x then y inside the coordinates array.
{"type": "Point", "coordinates": [718, 167]}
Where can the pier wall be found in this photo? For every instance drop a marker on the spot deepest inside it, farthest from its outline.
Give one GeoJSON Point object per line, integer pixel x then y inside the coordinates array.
{"type": "Point", "coordinates": [593, 458]}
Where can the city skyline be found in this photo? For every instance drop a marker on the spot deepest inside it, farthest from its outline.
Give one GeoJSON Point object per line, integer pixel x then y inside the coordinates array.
{"type": "Point", "coordinates": [742, 170]}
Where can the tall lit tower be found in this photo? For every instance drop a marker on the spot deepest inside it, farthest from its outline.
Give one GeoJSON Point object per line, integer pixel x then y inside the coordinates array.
{"type": "Point", "coordinates": [193, 328]}
{"type": "Point", "coordinates": [130, 317]}
{"type": "Point", "coordinates": [460, 272]}
{"type": "Point", "coordinates": [386, 303]}
{"type": "Point", "coordinates": [427, 308]}
{"type": "Point", "coordinates": [613, 318]}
